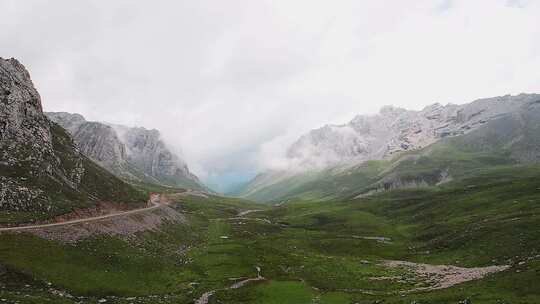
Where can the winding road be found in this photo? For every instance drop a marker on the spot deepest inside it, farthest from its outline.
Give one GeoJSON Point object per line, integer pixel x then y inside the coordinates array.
{"type": "Point", "coordinates": [84, 220]}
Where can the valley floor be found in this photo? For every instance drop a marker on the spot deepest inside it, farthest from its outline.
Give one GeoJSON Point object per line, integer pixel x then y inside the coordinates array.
{"type": "Point", "coordinates": [478, 242]}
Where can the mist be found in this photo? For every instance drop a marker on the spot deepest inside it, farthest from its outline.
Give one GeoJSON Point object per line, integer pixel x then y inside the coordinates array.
{"type": "Point", "coordinates": [231, 84]}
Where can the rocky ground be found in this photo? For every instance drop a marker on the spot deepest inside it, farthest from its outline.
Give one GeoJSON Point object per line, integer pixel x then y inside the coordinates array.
{"type": "Point", "coordinates": [441, 276]}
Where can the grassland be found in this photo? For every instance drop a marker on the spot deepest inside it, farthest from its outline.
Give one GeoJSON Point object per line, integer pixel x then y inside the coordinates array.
{"type": "Point", "coordinates": [452, 158]}
{"type": "Point", "coordinates": [308, 251]}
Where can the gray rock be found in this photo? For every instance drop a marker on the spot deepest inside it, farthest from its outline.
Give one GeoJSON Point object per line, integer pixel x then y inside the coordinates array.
{"type": "Point", "coordinates": [135, 154]}
{"type": "Point", "coordinates": [147, 151]}
{"type": "Point", "coordinates": [508, 126]}
{"type": "Point", "coordinates": [24, 130]}
{"type": "Point", "coordinates": [95, 140]}
{"type": "Point", "coordinates": [396, 130]}
{"type": "Point", "coordinates": [27, 147]}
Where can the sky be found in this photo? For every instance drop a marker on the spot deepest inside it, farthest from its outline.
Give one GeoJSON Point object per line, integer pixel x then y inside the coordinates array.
{"type": "Point", "coordinates": [231, 84]}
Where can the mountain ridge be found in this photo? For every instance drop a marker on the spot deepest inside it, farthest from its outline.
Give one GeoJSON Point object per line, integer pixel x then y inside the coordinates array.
{"type": "Point", "coordinates": [42, 172]}
{"type": "Point", "coordinates": [394, 130]}
{"type": "Point", "coordinates": [481, 130]}
{"type": "Point", "coordinates": [135, 154]}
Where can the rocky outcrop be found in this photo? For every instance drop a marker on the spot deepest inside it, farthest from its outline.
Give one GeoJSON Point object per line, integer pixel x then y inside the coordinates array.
{"type": "Point", "coordinates": [148, 152]}
{"type": "Point", "coordinates": [97, 141]}
{"type": "Point", "coordinates": [395, 181]}
{"type": "Point", "coordinates": [24, 131]}
{"type": "Point", "coordinates": [26, 146]}
{"type": "Point", "coordinates": [407, 149]}
{"type": "Point", "coordinates": [134, 154]}
{"type": "Point", "coordinates": [396, 130]}
{"type": "Point", "coordinates": [42, 172]}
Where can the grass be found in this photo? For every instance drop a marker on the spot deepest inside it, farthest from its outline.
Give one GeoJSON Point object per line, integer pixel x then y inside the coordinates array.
{"type": "Point", "coordinates": [321, 244]}
{"type": "Point", "coordinates": [488, 217]}
{"type": "Point", "coordinates": [457, 157]}
{"type": "Point", "coordinates": [60, 191]}
{"type": "Point", "coordinates": [104, 267]}
{"type": "Point", "coordinates": [309, 251]}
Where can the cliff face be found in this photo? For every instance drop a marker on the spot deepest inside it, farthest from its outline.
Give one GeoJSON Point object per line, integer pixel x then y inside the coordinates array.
{"type": "Point", "coordinates": [27, 147]}
{"type": "Point", "coordinates": [396, 130]}
{"type": "Point", "coordinates": [95, 140]}
{"type": "Point", "coordinates": [147, 151]}
{"type": "Point", "coordinates": [41, 169]}
{"type": "Point", "coordinates": [134, 154]}
{"type": "Point", "coordinates": [399, 148]}
{"type": "Point", "coordinates": [24, 130]}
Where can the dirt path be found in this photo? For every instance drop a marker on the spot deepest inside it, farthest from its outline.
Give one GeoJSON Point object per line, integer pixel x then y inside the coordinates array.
{"type": "Point", "coordinates": [90, 219]}
{"type": "Point", "coordinates": [205, 297]}
{"type": "Point", "coordinates": [247, 219]}
{"type": "Point", "coordinates": [246, 212]}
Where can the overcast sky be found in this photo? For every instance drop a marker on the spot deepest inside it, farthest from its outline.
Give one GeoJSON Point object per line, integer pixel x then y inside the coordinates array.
{"type": "Point", "coordinates": [232, 83]}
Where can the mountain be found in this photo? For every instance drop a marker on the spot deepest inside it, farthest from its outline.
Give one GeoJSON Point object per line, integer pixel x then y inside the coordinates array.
{"type": "Point", "coordinates": [465, 231]}
{"type": "Point", "coordinates": [42, 172]}
{"type": "Point", "coordinates": [134, 154]}
{"type": "Point", "coordinates": [95, 140]}
{"type": "Point", "coordinates": [399, 148]}
{"type": "Point", "coordinates": [396, 130]}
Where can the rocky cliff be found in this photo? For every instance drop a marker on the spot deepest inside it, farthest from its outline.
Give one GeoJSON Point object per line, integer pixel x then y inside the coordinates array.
{"type": "Point", "coordinates": [26, 142]}
{"type": "Point", "coordinates": [97, 141]}
{"type": "Point", "coordinates": [147, 151]}
{"type": "Point", "coordinates": [396, 130]}
{"type": "Point", "coordinates": [134, 154]}
{"type": "Point", "coordinates": [399, 148]}
{"type": "Point", "coordinates": [41, 170]}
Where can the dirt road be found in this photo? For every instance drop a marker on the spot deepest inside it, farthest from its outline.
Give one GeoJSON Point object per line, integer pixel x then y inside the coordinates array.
{"type": "Point", "coordinates": [90, 219]}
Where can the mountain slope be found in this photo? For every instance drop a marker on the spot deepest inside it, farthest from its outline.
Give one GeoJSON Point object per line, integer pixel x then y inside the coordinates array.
{"type": "Point", "coordinates": [396, 130]}
{"type": "Point", "coordinates": [42, 172]}
{"type": "Point", "coordinates": [456, 140]}
{"type": "Point", "coordinates": [134, 154]}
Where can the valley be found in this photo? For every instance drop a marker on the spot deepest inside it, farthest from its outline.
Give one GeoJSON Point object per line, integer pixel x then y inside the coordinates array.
{"type": "Point", "coordinates": [307, 251]}
{"type": "Point", "coordinates": [434, 206]}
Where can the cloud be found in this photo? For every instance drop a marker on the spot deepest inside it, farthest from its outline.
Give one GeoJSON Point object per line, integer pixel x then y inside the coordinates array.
{"type": "Point", "coordinates": [232, 83]}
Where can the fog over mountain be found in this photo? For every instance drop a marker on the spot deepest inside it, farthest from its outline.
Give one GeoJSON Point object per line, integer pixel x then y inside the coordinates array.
{"type": "Point", "coordinates": [231, 85]}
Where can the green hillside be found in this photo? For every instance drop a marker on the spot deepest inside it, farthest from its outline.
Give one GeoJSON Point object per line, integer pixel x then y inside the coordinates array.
{"type": "Point", "coordinates": [509, 140]}
{"type": "Point", "coordinates": [96, 184]}
{"type": "Point", "coordinates": [454, 222]}
{"type": "Point", "coordinates": [308, 251]}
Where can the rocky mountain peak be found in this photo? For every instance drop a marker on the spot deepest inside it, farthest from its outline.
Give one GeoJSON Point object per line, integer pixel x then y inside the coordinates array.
{"type": "Point", "coordinates": [394, 130]}
{"type": "Point", "coordinates": [147, 150]}
{"type": "Point", "coordinates": [28, 151]}
{"type": "Point", "coordinates": [95, 140]}
{"type": "Point", "coordinates": [24, 130]}
{"type": "Point", "coordinates": [17, 74]}
{"type": "Point", "coordinates": [70, 122]}
{"type": "Point", "coordinates": [133, 153]}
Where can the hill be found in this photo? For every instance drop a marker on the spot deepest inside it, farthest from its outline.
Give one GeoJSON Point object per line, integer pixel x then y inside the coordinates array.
{"type": "Point", "coordinates": [42, 172]}
{"type": "Point", "coordinates": [507, 133]}
{"type": "Point", "coordinates": [136, 155]}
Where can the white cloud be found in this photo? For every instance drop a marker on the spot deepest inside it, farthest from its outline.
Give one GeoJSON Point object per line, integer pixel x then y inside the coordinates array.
{"type": "Point", "coordinates": [232, 83]}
